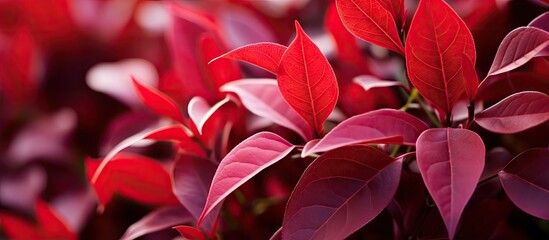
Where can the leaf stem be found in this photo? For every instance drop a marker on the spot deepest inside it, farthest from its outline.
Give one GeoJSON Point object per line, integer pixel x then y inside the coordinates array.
{"type": "Point", "coordinates": [470, 114]}
{"type": "Point", "coordinates": [430, 114]}
{"type": "Point", "coordinates": [411, 98]}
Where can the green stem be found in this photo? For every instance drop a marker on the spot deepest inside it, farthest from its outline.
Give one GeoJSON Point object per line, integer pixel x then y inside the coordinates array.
{"type": "Point", "coordinates": [430, 114]}
{"type": "Point", "coordinates": [395, 151]}
{"type": "Point", "coordinates": [413, 96]}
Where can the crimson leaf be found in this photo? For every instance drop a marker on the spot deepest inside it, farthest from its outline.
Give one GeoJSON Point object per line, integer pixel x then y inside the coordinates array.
{"type": "Point", "coordinates": [243, 162]}
{"type": "Point", "coordinates": [526, 182]}
{"type": "Point", "coordinates": [451, 162]}
{"type": "Point", "coordinates": [370, 21]}
{"type": "Point", "coordinates": [307, 81]}
{"type": "Point", "coordinates": [516, 113]}
{"type": "Point", "coordinates": [340, 192]}
{"type": "Point", "coordinates": [437, 42]}
{"type": "Point", "coordinates": [265, 55]}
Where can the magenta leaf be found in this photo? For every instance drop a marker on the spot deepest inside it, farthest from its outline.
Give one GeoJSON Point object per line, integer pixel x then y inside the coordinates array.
{"type": "Point", "coordinates": [307, 81]}
{"type": "Point", "coordinates": [526, 181]}
{"type": "Point", "coordinates": [263, 98]}
{"type": "Point", "coordinates": [243, 162]}
{"type": "Point", "coordinates": [368, 82]}
{"type": "Point", "coordinates": [192, 177]}
{"type": "Point", "coordinates": [379, 126]}
{"type": "Point", "coordinates": [500, 86]}
{"type": "Point", "coordinates": [340, 192]}
{"type": "Point", "coordinates": [159, 219]}
{"type": "Point", "coordinates": [264, 55]}
{"type": "Point", "coordinates": [518, 47]}
{"type": "Point", "coordinates": [371, 21]}
{"type": "Point", "coordinates": [515, 113]}
{"type": "Point", "coordinates": [541, 22]}
{"type": "Point", "coordinates": [451, 162]}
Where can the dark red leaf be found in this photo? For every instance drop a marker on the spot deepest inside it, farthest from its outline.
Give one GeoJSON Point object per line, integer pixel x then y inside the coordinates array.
{"type": "Point", "coordinates": [340, 192]}
{"type": "Point", "coordinates": [496, 159]}
{"type": "Point", "coordinates": [192, 177]}
{"type": "Point", "coordinates": [307, 81]}
{"type": "Point", "coordinates": [494, 88]}
{"type": "Point", "coordinates": [518, 47]}
{"type": "Point", "coordinates": [158, 101]}
{"type": "Point", "coordinates": [190, 233]}
{"type": "Point", "coordinates": [159, 219]}
{"type": "Point", "coordinates": [379, 126]}
{"type": "Point", "coordinates": [133, 176]}
{"type": "Point", "coordinates": [541, 22]}
{"type": "Point", "coordinates": [52, 226]}
{"type": "Point", "coordinates": [435, 48]}
{"type": "Point", "coordinates": [526, 181]}
{"type": "Point", "coordinates": [264, 55]}
{"type": "Point", "coordinates": [263, 98]}
{"type": "Point", "coordinates": [221, 71]}
{"type": "Point", "coordinates": [370, 21]}
{"type": "Point", "coordinates": [243, 162]}
{"type": "Point", "coordinates": [451, 162]}
{"type": "Point", "coordinates": [515, 113]}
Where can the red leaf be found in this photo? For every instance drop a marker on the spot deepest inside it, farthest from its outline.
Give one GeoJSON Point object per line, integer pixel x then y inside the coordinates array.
{"type": "Point", "coordinates": [17, 228]}
{"type": "Point", "coordinates": [435, 45]}
{"type": "Point", "coordinates": [158, 101]}
{"type": "Point", "coordinates": [192, 178]}
{"type": "Point", "coordinates": [379, 126]}
{"type": "Point", "coordinates": [263, 98]}
{"type": "Point", "coordinates": [221, 71]}
{"type": "Point", "coordinates": [451, 162]}
{"type": "Point", "coordinates": [264, 55]}
{"type": "Point", "coordinates": [397, 9]}
{"type": "Point", "coordinates": [346, 44]}
{"type": "Point", "coordinates": [190, 233]}
{"type": "Point", "coordinates": [526, 182]}
{"type": "Point", "coordinates": [518, 47]}
{"type": "Point", "coordinates": [133, 176]}
{"type": "Point", "coordinates": [175, 133]}
{"type": "Point", "coordinates": [307, 81]}
{"type": "Point", "coordinates": [340, 192]}
{"type": "Point", "coordinates": [52, 226]}
{"type": "Point", "coordinates": [159, 219]}
{"type": "Point", "coordinates": [471, 78]}
{"type": "Point", "coordinates": [370, 21]}
{"type": "Point", "coordinates": [368, 82]}
{"type": "Point", "coordinates": [243, 162]}
{"type": "Point", "coordinates": [515, 113]}
{"type": "Point", "coordinates": [200, 111]}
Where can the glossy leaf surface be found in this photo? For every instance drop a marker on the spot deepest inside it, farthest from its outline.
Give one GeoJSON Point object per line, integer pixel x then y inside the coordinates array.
{"type": "Point", "coordinates": [436, 44]}
{"type": "Point", "coordinates": [518, 47]}
{"type": "Point", "coordinates": [370, 21]}
{"type": "Point", "coordinates": [159, 219]}
{"type": "Point", "coordinates": [526, 182]}
{"type": "Point", "coordinates": [368, 82]}
{"type": "Point", "coordinates": [264, 55]}
{"type": "Point", "coordinates": [379, 126]}
{"type": "Point", "coordinates": [242, 163]}
{"type": "Point", "coordinates": [516, 113]}
{"type": "Point", "coordinates": [307, 81]}
{"type": "Point", "coordinates": [451, 162]}
{"type": "Point", "coordinates": [263, 98]}
{"type": "Point", "coordinates": [340, 192]}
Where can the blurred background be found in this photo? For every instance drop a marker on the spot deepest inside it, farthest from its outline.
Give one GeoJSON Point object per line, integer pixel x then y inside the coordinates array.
{"type": "Point", "coordinates": [66, 93]}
